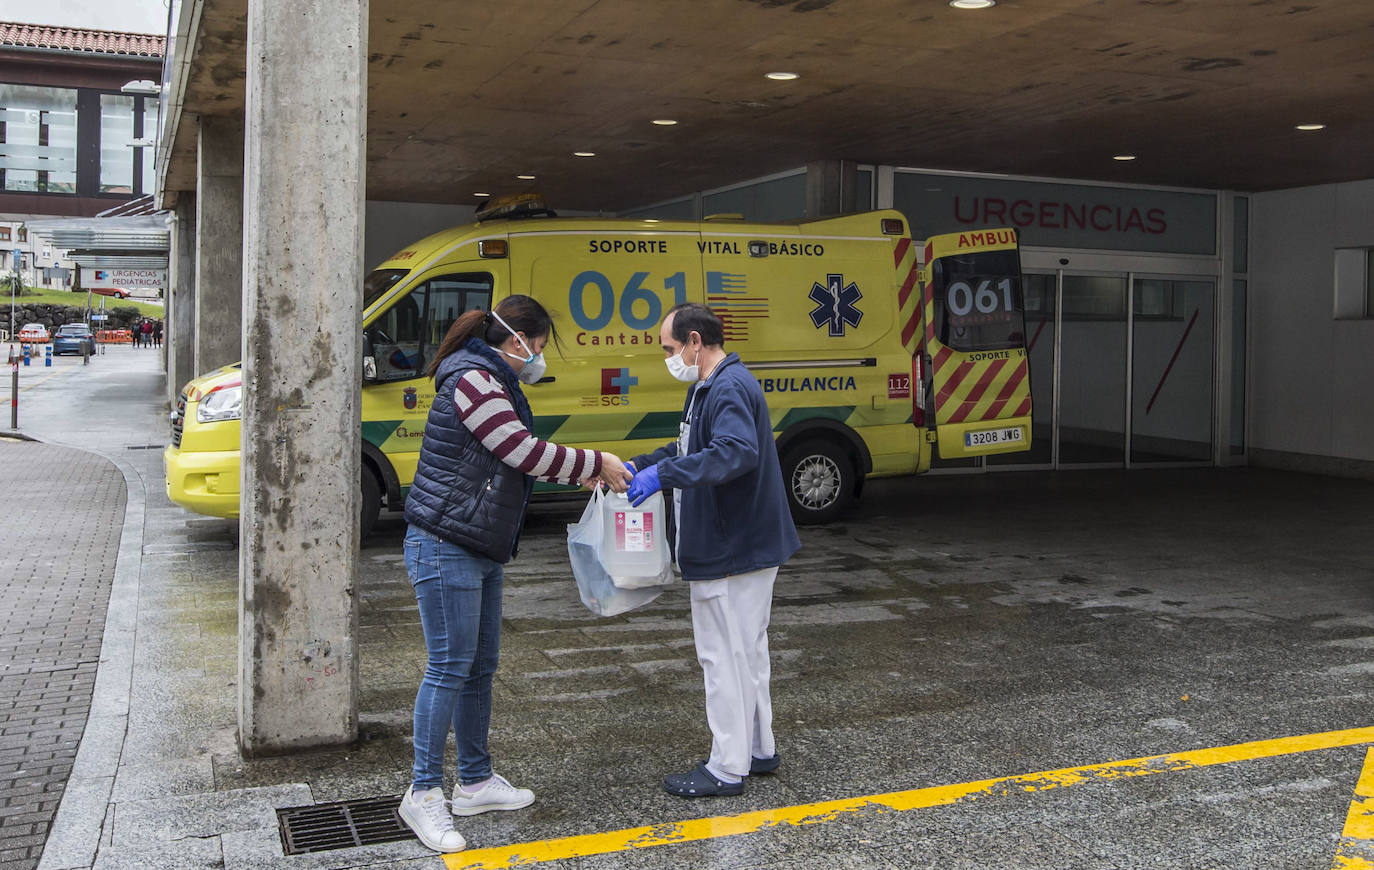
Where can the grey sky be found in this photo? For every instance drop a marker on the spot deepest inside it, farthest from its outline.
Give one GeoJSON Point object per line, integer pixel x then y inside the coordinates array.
{"type": "Point", "coordinates": [134, 16]}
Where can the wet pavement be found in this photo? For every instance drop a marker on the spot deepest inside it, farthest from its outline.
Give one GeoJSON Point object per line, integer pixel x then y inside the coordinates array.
{"type": "Point", "coordinates": [953, 629]}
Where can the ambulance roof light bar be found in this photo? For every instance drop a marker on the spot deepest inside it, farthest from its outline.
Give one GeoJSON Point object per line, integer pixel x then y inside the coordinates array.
{"type": "Point", "coordinates": [513, 206]}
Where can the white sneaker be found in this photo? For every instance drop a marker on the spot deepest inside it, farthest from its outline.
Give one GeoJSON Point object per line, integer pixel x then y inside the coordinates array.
{"type": "Point", "coordinates": [427, 815]}
{"type": "Point", "coordinates": [497, 794]}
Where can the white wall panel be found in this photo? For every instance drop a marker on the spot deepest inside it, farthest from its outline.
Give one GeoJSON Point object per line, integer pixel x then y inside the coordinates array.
{"type": "Point", "coordinates": [1311, 385]}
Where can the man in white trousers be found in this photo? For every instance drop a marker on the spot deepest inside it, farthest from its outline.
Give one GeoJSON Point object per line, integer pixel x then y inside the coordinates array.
{"type": "Point", "coordinates": [734, 530]}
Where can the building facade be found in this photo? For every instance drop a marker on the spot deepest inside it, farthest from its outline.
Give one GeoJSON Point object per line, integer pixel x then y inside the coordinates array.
{"type": "Point", "coordinates": [76, 109]}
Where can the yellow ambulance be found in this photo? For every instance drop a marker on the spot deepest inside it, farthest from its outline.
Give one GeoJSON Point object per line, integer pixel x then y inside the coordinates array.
{"type": "Point", "coordinates": [872, 349]}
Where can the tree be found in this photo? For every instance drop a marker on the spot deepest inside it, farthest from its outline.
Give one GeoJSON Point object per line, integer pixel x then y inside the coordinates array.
{"type": "Point", "coordinates": [13, 283]}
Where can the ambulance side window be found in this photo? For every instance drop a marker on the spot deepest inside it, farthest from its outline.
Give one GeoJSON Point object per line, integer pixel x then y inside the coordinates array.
{"type": "Point", "coordinates": [407, 334]}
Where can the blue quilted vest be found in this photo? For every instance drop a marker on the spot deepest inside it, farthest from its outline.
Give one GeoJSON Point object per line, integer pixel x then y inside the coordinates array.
{"type": "Point", "coordinates": [462, 493]}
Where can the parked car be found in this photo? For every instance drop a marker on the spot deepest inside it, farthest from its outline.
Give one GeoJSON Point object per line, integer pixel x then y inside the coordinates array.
{"type": "Point", "coordinates": [73, 338]}
{"type": "Point", "coordinates": [116, 292]}
{"type": "Point", "coordinates": [34, 333]}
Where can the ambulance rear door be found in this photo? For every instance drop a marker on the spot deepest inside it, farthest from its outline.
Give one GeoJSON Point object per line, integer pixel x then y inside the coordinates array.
{"type": "Point", "coordinates": [975, 339]}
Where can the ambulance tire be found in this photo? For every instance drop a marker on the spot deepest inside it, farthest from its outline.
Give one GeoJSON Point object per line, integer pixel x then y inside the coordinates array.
{"type": "Point", "coordinates": [370, 505]}
{"type": "Point", "coordinates": [819, 477]}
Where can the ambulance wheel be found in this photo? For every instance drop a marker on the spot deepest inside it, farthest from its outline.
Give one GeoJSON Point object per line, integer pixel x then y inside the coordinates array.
{"type": "Point", "coordinates": [370, 505]}
{"type": "Point", "coordinates": [819, 477]}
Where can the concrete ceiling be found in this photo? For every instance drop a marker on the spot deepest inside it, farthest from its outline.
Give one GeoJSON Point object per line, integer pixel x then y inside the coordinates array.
{"type": "Point", "coordinates": [462, 97]}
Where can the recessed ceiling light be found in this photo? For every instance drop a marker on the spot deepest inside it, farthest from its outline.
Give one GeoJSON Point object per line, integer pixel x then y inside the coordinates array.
{"type": "Point", "coordinates": [972, 4]}
{"type": "Point", "coordinates": [584, 153]}
{"type": "Point", "coordinates": [665, 122]}
{"type": "Point", "coordinates": [525, 177]}
{"type": "Point", "coordinates": [1124, 157]}
{"type": "Point", "coordinates": [481, 194]}
{"type": "Point", "coordinates": [1308, 128]}
{"type": "Point", "coordinates": [781, 76]}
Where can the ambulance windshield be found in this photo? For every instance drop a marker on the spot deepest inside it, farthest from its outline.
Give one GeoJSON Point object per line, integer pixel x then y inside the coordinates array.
{"type": "Point", "coordinates": [378, 283]}
{"type": "Point", "coordinates": [978, 303]}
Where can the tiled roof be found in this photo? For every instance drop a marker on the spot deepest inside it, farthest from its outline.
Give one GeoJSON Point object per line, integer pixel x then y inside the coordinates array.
{"type": "Point", "coordinates": [78, 40]}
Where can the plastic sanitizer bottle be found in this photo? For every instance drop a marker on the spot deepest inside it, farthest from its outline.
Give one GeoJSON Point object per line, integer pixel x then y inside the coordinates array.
{"type": "Point", "coordinates": [635, 543]}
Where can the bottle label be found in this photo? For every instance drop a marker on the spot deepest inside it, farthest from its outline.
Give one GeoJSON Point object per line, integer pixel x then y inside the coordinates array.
{"type": "Point", "coordinates": [634, 531]}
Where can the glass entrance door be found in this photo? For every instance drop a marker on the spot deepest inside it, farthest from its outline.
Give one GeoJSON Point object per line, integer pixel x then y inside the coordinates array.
{"type": "Point", "coordinates": [1171, 370]}
{"type": "Point", "coordinates": [1121, 367]}
{"type": "Point", "coordinates": [1092, 370]}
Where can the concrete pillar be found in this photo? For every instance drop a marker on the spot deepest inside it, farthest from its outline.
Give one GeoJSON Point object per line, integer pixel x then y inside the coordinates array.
{"type": "Point", "coordinates": [219, 242]}
{"type": "Point", "coordinates": [831, 188]}
{"type": "Point", "coordinates": [304, 168]}
{"type": "Point", "coordinates": [179, 325]}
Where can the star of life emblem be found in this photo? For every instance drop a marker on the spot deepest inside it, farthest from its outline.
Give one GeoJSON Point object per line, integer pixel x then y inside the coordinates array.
{"type": "Point", "coordinates": [835, 304]}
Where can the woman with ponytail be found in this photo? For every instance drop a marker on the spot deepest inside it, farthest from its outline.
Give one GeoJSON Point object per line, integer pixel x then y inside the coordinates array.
{"type": "Point", "coordinates": [478, 464]}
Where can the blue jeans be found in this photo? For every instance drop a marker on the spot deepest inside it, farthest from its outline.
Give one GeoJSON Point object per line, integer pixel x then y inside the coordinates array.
{"type": "Point", "coordinates": [459, 595]}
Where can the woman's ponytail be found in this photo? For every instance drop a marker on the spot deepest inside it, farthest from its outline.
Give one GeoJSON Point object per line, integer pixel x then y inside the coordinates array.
{"type": "Point", "coordinates": [472, 324]}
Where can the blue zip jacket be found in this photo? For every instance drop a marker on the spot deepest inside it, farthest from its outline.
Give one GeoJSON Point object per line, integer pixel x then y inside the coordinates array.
{"type": "Point", "coordinates": [734, 516]}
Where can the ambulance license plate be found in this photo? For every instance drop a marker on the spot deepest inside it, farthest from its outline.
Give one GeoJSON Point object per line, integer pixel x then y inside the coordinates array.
{"type": "Point", "coordinates": [989, 437]}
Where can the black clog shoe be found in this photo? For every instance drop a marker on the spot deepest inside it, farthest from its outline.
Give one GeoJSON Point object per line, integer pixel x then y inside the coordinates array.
{"type": "Point", "coordinates": [699, 782]}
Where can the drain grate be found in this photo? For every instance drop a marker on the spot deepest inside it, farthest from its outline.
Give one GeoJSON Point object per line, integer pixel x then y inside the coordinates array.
{"type": "Point", "coordinates": [341, 825]}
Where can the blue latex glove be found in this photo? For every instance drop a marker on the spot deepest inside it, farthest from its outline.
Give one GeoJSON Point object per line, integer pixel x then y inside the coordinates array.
{"type": "Point", "coordinates": [645, 484]}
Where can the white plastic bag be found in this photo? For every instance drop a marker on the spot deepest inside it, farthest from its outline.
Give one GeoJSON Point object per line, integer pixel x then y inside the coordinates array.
{"type": "Point", "coordinates": [595, 585]}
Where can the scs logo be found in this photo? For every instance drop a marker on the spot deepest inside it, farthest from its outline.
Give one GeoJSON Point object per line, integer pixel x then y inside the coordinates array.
{"type": "Point", "coordinates": [615, 389]}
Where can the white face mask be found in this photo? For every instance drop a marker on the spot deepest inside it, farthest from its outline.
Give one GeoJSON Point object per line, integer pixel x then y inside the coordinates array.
{"type": "Point", "coordinates": [680, 370]}
{"type": "Point", "coordinates": [534, 363]}
{"type": "Point", "coordinates": [533, 370]}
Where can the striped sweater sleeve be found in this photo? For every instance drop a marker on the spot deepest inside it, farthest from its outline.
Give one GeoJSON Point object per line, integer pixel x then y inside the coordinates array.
{"type": "Point", "coordinates": [486, 410]}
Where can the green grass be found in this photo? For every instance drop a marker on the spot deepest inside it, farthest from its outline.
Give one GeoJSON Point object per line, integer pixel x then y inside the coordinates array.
{"type": "Point", "coordinates": [78, 300]}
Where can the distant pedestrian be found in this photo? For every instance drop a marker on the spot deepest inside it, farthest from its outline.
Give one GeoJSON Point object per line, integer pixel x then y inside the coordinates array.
{"type": "Point", "coordinates": [135, 333]}
{"type": "Point", "coordinates": [157, 333]}
{"type": "Point", "coordinates": [147, 333]}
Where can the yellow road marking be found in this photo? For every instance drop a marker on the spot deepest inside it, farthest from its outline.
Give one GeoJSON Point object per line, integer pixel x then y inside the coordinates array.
{"type": "Point", "coordinates": [521, 854]}
{"type": "Point", "coordinates": [1356, 850]}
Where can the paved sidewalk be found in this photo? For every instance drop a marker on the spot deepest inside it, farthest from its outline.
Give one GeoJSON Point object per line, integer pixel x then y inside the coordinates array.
{"type": "Point", "coordinates": [58, 542]}
{"type": "Point", "coordinates": [112, 412]}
